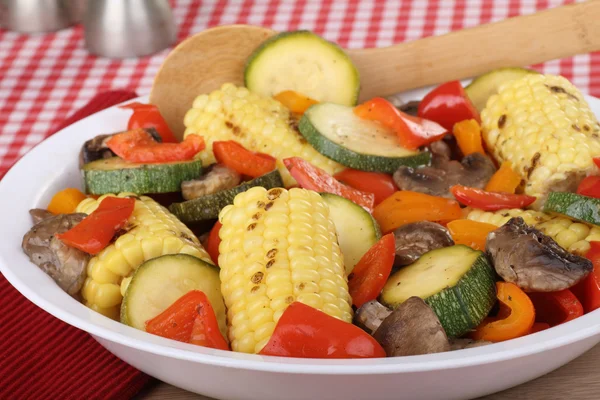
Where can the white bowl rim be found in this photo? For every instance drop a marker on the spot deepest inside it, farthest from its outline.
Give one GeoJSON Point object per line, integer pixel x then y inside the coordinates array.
{"type": "Point", "coordinates": [576, 330]}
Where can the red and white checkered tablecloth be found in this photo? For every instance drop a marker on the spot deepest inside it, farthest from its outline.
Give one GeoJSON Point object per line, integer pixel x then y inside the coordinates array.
{"type": "Point", "coordinates": [45, 77]}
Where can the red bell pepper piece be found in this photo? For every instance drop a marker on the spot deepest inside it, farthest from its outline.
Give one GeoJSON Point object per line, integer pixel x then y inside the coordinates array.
{"type": "Point", "coordinates": [305, 332]}
{"type": "Point", "coordinates": [137, 146]}
{"type": "Point", "coordinates": [590, 186]}
{"type": "Point", "coordinates": [313, 178]}
{"type": "Point", "coordinates": [412, 132]}
{"type": "Point", "coordinates": [243, 161]}
{"type": "Point", "coordinates": [213, 242]}
{"type": "Point", "coordinates": [588, 290]}
{"type": "Point", "coordinates": [539, 326]}
{"type": "Point", "coordinates": [97, 230]}
{"type": "Point", "coordinates": [447, 104]}
{"type": "Point", "coordinates": [148, 116]}
{"type": "Point", "coordinates": [380, 184]}
{"type": "Point", "coordinates": [489, 201]}
{"type": "Point", "coordinates": [372, 271]}
{"type": "Point", "coordinates": [191, 319]}
{"type": "Point", "coordinates": [555, 308]}
{"type": "Point", "coordinates": [597, 161]}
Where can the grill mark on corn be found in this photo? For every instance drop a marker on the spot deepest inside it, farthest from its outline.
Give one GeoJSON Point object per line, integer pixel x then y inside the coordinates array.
{"type": "Point", "coordinates": [260, 204]}
{"type": "Point", "coordinates": [270, 263]}
{"type": "Point", "coordinates": [251, 227]}
{"type": "Point", "coordinates": [236, 130]}
{"type": "Point", "coordinates": [256, 216]}
{"type": "Point", "coordinates": [502, 121]}
{"type": "Point", "coordinates": [559, 89]}
{"type": "Point", "coordinates": [534, 161]}
{"type": "Point", "coordinates": [271, 253]}
{"type": "Point", "coordinates": [268, 205]}
{"type": "Point", "coordinates": [257, 277]}
{"type": "Point", "coordinates": [273, 193]}
{"type": "Point", "coordinates": [576, 127]}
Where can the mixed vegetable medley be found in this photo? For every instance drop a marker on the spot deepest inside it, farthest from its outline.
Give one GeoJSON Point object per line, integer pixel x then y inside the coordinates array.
{"type": "Point", "coordinates": [291, 221]}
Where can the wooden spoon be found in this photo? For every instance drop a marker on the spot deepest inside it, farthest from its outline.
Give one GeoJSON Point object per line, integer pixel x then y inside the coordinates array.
{"type": "Point", "coordinates": [205, 61]}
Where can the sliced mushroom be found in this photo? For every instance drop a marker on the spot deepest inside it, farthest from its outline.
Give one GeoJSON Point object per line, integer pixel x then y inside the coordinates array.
{"type": "Point", "coordinates": [218, 178]}
{"type": "Point", "coordinates": [475, 170]}
{"type": "Point", "coordinates": [464, 343]}
{"type": "Point", "coordinates": [370, 315]}
{"type": "Point", "coordinates": [96, 148]}
{"type": "Point", "coordinates": [415, 239]}
{"type": "Point", "coordinates": [412, 329]}
{"type": "Point", "coordinates": [533, 261]}
{"type": "Point", "coordinates": [39, 214]}
{"type": "Point", "coordinates": [66, 265]}
{"type": "Point", "coordinates": [410, 108]}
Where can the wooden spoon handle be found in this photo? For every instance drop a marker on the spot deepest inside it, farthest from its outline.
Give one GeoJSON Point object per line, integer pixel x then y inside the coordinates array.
{"type": "Point", "coordinates": [555, 33]}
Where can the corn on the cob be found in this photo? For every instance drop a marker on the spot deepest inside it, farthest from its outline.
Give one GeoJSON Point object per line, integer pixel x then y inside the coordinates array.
{"type": "Point", "coordinates": [153, 232]}
{"type": "Point", "coordinates": [544, 126]}
{"type": "Point", "coordinates": [259, 123]}
{"type": "Point", "coordinates": [571, 235]}
{"type": "Point", "coordinates": [278, 247]}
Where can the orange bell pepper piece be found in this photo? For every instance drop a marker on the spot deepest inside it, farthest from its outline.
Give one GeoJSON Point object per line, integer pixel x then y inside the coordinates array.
{"type": "Point", "coordinates": [65, 201]}
{"type": "Point", "coordinates": [504, 180]}
{"type": "Point", "coordinates": [515, 319]}
{"type": "Point", "coordinates": [470, 233]}
{"type": "Point", "coordinates": [294, 101]}
{"type": "Point", "coordinates": [468, 136]}
{"type": "Point", "coordinates": [404, 207]}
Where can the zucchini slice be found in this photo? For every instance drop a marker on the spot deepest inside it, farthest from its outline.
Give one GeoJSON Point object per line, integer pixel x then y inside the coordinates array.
{"type": "Point", "coordinates": [356, 229]}
{"type": "Point", "coordinates": [114, 175]}
{"type": "Point", "coordinates": [160, 281]}
{"type": "Point", "coordinates": [336, 132]}
{"type": "Point", "coordinates": [457, 282]}
{"type": "Point", "coordinates": [209, 206]}
{"type": "Point", "coordinates": [486, 85]}
{"type": "Point", "coordinates": [574, 206]}
{"type": "Point", "coordinates": [303, 62]}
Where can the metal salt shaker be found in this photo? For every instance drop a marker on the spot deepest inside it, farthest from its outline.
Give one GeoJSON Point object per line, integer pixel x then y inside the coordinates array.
{"type": "Point", "coordinates": [35, 16]}
{"type": "Point", "coordinates": [128, 28]}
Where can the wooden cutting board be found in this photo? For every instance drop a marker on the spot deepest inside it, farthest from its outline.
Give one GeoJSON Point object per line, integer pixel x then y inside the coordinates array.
{"type": "Point", "coordinates": [578, 380]}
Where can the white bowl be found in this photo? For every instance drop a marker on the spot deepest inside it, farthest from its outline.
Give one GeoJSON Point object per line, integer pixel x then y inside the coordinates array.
{"type": "Point", "coordinates": [52, 165]}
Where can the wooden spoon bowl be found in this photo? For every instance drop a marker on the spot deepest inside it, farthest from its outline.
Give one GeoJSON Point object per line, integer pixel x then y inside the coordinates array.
{"type": "Point", "coordinates": [205, 61]}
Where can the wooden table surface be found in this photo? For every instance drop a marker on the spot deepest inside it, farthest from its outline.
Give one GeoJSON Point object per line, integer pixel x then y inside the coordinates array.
{"type": "Point", "coordinates": [578, 380]}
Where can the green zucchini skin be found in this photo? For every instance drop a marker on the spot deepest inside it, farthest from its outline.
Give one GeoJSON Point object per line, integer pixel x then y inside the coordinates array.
{"type": "Point", "coordinates": [354, 159]}
{"type": "Point", "coordinates": [160, 281]}
{"type": "Point", "coordinates": [574, 206]}
{"type": "Point", "coordinates": [462, 307]}
{"type": "Point", "coordinates": [486, 85]}
{"type": "Point", "coordinates": [114, 175]}
{"type": "Point", "coordinates": [356, 228]}
{"type": "Point", "coordinates": [209, 206]}
{"type": "Point", "coordinates": [287, 46]}
{"type": "Point", "coordinates": [463, 303]}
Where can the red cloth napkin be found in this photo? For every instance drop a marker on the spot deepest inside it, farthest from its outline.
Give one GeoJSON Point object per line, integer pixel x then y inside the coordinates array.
{"type": "Point", "coordinates": [41, 357]}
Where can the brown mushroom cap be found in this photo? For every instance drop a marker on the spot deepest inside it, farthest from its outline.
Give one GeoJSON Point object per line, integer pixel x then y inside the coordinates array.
{"type": "Point", "coordinates": [65, 264]}
{"type": "Point", "coordinates": [415, 239]}
{"type": "Point", "coordinates": [370, 316]}
{"type": "Point", "coordinates": [475, 170]}
{"type": "Point", "coordinates": [533, 261]}
{"type": "Point", "coordinates": [412, 329]}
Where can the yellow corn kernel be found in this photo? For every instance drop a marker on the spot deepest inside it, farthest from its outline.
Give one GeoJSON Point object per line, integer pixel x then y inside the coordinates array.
{"type": "Point", "coordinates": [153, 232]}
{"type": "Point", "coordinates": [572, 236]}
{"type": "Point", "coordinates": [545, 128]}
{"type": "Point", "coordinates": [259, 123]}
{"type": "Point", "coordinates": [277, 247]}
